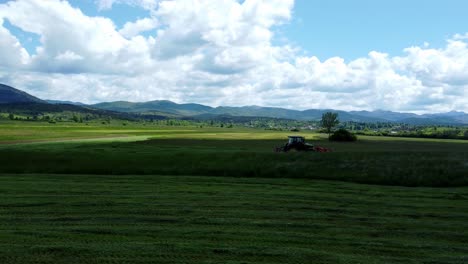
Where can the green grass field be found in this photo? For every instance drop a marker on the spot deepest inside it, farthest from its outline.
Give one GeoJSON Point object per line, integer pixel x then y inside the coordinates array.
{"type": "Point", "coordinates": [96, 149]}
{"type": "Point", "coordinates": [163, 219]}
{"type": "Point", "coordinates": [95, 194]}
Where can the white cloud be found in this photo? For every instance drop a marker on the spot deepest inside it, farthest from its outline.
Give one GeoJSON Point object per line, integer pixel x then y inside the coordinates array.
{"type": "Point", "coordinates": [107, 4]}
{"type": "Point", "coordinates": [66, 30]}
{"type": "Point", "coordinates": [437, 66]}
{"type": "Point", "coordinates": [68, 56]}
{"type": "Point", "coordinates": [12, 54]}
{"type": "Point", "coordinates": [216, 52]}
{"type": "Point", "coordinates": [132, 29]}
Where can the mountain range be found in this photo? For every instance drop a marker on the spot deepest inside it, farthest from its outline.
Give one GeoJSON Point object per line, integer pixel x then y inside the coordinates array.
{"type": "Point", "coordinates": [194, 110]}
{"type": "Point", "coordinates": [163, 108]}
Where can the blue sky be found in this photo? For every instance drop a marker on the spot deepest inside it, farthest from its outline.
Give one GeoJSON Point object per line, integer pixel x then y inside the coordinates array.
{"type": "Point", "coordinates": [352, 28]}
{"type": "Point", "coordinates": [344, 28]}
{"type": "Point", "coordinates": [119, 13]}
{"type": "Point", "coordinates": [409, 56]}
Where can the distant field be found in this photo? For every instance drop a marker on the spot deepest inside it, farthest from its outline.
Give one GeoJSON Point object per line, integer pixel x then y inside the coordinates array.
{"type": "Point", "coordinates": [100, 149]}
{"type": "Point", "coordinates": [165, 219]}
{"type": "Point", "coordinates": [21, 132]}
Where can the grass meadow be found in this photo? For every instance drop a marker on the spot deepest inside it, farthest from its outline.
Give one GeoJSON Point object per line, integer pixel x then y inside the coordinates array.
{"type": "Point", "coordinates": [144, 194]}
{"type": "Point", "coordinates": [107, 150]}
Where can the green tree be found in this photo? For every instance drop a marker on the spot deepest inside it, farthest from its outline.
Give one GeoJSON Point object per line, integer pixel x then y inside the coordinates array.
{"type": "Point", "coordinates": [329, 121]}
{"type": "Point", "coordinates": [11, 116]}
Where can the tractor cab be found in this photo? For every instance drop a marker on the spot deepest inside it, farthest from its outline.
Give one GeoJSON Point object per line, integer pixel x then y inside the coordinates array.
{"type": "Point", "coordinates": [296, 140]}
{"type": "Point", "coordinates": [297, 143]}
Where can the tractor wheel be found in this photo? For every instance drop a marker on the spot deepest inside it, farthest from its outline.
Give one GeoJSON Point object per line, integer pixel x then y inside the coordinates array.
{"type": "Point", "coordinates": [279, 149]}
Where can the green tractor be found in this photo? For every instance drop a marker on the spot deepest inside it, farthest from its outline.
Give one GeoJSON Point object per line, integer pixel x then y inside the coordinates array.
{"type": "Point", "coordinates": [298, 143]}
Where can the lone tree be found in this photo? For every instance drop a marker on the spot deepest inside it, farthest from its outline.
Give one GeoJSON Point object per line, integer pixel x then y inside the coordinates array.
{"type": "Point", "coordinates": [329, 121]}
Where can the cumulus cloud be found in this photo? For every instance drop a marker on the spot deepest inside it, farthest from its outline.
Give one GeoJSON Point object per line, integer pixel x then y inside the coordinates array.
{"type": "Point", "coordinates": [132, 29]}
{"type": "Point", "coordinates": [216, 52]}
{"type": "Point", "coordinates": [107, 4]}
{"type": "Point", "coordinates": [12, 54]}
{"type": "Point", "coordinates": [66, 31]}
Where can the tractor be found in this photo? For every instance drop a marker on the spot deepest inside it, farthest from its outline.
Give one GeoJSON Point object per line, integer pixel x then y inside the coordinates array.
{"type": "Point", "coordinates": [298, 143]}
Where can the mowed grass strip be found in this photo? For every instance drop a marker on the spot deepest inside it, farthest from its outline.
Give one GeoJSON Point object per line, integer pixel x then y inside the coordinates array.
{"type": "Point", "coordinates": [28, 132]}
{"type": "Point", "coordinates": [167, 219]}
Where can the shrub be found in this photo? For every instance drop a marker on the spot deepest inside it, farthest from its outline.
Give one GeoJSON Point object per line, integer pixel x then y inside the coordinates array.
{"type": "Point", "coordinates": [343, 135]}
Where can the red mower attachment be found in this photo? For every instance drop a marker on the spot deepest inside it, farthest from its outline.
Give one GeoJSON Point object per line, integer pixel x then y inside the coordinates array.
{"type": "Point", "coordinates": [321, 149]}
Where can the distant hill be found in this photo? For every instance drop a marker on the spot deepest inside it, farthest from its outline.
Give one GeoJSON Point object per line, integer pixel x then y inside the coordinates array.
{"type": "Point", "coordinates": [155, 106]}
{"type": "Point", "coordinates": [384, 115]}
{"type": "Point", "coordinates": [18, 102]}
{"type": "Point", "coordinates": [37, 108]}
{"type": "Point", "coordinates": [10, 95]}
{"type": "Point", "coordinates": [64, 102]}
{"type": "Point", "coordinates": [44, 108]}
{"type": "Point", "coordinates": [202, 111]}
